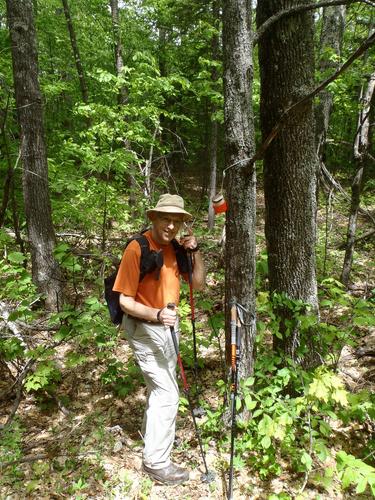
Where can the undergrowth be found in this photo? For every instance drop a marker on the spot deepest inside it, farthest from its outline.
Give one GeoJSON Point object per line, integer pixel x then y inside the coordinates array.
{"type": "Point", "coordinates": [295, 413]}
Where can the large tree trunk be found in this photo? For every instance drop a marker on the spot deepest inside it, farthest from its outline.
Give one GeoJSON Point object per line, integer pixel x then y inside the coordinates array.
{"type": "Point", "coordinates": [75, 49]}
{"type": "Point", "coordinates": [287, 69]}
{"type": "Point", "coordinates": [45, 271]}
{"type": "Point", "coordinates": [361, 145]}
{"type": "Point", "coordinates": [240, 179]}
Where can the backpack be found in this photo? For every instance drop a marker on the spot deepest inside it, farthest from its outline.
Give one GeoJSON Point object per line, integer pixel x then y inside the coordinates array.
{"type": "Point", "coordinates": [150, 261]}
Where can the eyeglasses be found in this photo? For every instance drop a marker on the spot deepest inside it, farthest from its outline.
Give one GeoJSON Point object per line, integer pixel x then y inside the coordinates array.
{"type": "Point", "coordinates": [167, 221]}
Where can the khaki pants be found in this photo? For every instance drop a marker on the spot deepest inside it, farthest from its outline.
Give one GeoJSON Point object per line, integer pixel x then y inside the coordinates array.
{"type": "Point", "coordinates": [154, 351]}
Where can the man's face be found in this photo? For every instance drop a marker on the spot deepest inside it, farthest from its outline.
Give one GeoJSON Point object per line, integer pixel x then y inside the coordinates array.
{"type": "Point", "coordinates": [165, 227]}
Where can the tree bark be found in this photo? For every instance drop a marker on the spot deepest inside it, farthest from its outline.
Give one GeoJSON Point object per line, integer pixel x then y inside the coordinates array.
{"type": "Point", "coordinates": [286, 57]}
{"type": "Point", "coordinates": [239, 144]}
{"type": "Point", "coordinates": [333, 24]}
{"type": "Point", "coordinates": [123, 95]}
{"type": "Point", "coordinates": [45, 271]}
{"type": "Point", "coordinates": [361, 145]}
{"type": "Point", "coordinates": [76, 54]}
{"type": "Point", "coordinates": [212, 150]}
{"type": "Point", "coordinates": [10, 171]}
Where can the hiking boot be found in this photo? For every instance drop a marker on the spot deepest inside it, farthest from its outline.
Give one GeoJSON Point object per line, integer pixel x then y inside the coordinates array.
{"type": "Point", "coordinates": [172, 474]}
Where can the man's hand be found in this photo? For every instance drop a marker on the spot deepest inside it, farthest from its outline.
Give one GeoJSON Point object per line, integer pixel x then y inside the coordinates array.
{"type": "Point", "coordinates": [189, 241]}
{"type": "Point", "coordinates": [168, 317]}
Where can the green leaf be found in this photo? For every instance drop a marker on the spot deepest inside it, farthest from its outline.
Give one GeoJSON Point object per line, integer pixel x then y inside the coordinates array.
{"type": "Point", "coordinates": [306, 460]}
{"type": "Point", "coordinates": [266, 442]}
{"type": "Point", "coordinates": [249, 381]}
{"type": "Point", "coordinates": [348, 477]}
{"type": "Point", "coordinates": [16, 257]}
{"type": "Point", "coordinates": [318, 389]}
{"type": "Point", "coordinates": [340, 396]}
{"type": "Point", "coordinates": [250, 404]}
{"type": "Point", "coordinates": [238, 403]}
{"type": "Point", "coordinates": [362, 485]}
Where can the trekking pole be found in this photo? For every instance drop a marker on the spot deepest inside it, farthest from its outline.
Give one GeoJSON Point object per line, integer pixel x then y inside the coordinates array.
{"type": "Point", "coordinates": [192, 308]}
{"type": "Point", "coordinates": [235, 328]}
{"type": "Point", "coordinates": [199, 411]}
{"type": "Point", "coordinates": [208, 476]}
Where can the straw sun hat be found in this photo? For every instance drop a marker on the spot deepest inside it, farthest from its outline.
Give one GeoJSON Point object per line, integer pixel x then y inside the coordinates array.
{"type": "Point", "coordinates": [170, 204]}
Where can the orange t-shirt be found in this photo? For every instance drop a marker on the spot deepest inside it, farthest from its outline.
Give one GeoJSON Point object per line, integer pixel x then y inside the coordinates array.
{"type": "Point", "coordinates": [150, 291]}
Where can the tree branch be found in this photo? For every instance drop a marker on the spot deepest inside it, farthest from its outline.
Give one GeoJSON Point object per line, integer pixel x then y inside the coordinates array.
{"type": "Point", "coordinates": [336, 185]}
{"type": "Point", "coordinates": [259, 154]}
{"type": "Point", "coordinates": [301, 8]}
{"type": "Point", "coordinates": [28, 459]}
{"type": "Point", "coordinates": [17, 401]}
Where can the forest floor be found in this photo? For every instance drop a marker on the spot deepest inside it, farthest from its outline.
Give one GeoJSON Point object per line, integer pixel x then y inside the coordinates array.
{"type": "Point", "coordinates": [94, 452]}
{"type": "Point", "coordinates": [91, 447]}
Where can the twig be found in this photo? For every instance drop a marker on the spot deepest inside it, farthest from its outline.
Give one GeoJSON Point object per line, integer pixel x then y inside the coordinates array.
{"type": "Point", "coordinates": [365, 237]}
{"type": "Point", "coordinates": [339, 188]}
{"type": "Point", "coordinates": [17, 401]}
{"type": "Point", "coordinates": [30, 458]}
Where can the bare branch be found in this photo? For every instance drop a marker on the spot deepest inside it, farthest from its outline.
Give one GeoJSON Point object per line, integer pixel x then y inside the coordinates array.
{"type": "Point", "coordinates": [301, 8]}
{"type": "Point", "coordinates": [17, 401]}
{"type": "Point", "coordinates": [30, 458]}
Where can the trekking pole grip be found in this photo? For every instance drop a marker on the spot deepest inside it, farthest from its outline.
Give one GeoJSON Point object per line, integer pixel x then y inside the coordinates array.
{"type": "Point", "coordinates": [172, 306]}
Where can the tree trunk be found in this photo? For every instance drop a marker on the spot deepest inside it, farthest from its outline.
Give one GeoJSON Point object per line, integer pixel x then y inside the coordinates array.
{"type": "Point", "coordinates": [333, 25]}
{"type": "Point", "coordinates": [212, 150]}
{"type": "Point", "coordinates": [45, 271]}
{"type": "Point", "coordinates": [240, 179]}
{"type": "Point", "coordinates": [213, 172]}
{"type": "Point", "coordinates": [361, 145]}
{"type": "Point", "coordinates": [214, 125]}
{"type": "Point", "coordinates": [123, 95]}
{"type": "Point", "coordinates": [76, 54]}
{"type": "Point", "coordinates": [286, 56]}
{"type": "Point", "coordinates": [10, 171]}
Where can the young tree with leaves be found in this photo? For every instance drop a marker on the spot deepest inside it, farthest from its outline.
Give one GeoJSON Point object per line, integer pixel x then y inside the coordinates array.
{"type": "Point", "coordinates": [362, 142]}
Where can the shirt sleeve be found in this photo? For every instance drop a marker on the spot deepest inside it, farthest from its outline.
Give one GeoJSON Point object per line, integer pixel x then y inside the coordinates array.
{"type": "Point", "coordinates": [127, 279]}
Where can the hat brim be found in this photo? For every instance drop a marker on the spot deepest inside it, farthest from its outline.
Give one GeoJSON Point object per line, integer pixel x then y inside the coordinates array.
{"type": "Point", "coordinates": [171, 210]}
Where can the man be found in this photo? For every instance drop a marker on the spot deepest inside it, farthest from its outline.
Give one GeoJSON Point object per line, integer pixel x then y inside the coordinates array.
{"type": "Point", "coordinates": [147, 321]}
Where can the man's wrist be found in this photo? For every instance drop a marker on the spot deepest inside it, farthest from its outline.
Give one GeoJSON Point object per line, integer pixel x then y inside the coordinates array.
{"type": "Point", "coordinates": [158, 315]}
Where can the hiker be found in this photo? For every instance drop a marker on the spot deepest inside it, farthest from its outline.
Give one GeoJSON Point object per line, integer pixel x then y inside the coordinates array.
{"type": "Point", "coordinates": [147, 321]}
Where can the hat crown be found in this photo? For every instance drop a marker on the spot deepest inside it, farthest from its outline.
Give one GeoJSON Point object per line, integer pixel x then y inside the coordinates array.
{"type": "Point", "coordinates": [170, 200]}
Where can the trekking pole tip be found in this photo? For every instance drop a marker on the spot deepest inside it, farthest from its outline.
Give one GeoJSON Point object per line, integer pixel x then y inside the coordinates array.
{"type": "Point", "coordinates": [208, 477]}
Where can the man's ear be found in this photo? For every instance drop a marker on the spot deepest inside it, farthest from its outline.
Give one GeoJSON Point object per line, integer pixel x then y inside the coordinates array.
{"type": "Point", "coordinates": [152, 216]}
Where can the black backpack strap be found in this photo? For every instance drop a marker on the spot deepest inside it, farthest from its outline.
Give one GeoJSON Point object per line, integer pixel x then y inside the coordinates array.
{"type": "Point", "coordinates": [151, 260]}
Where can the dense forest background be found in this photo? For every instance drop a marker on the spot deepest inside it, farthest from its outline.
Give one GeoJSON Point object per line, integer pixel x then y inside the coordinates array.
{"type": "Point", "coordinates": [105, 105]}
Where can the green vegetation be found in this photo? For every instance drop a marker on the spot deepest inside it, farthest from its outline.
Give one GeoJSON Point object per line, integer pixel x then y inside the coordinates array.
{"type": "Point", "coordinates": [71, 393]}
